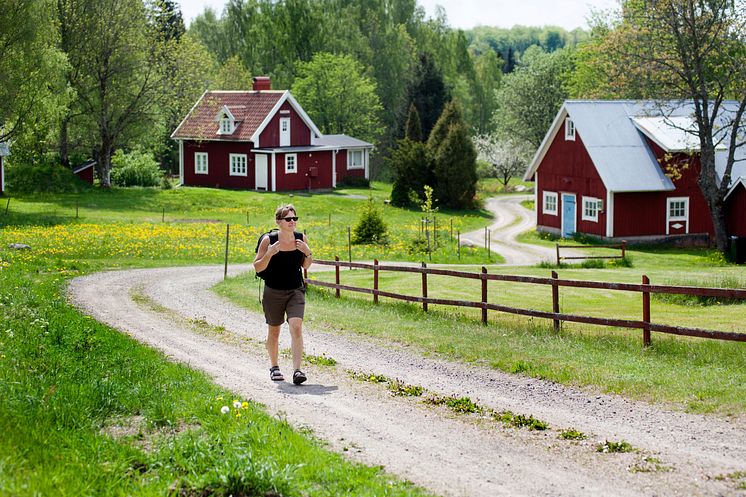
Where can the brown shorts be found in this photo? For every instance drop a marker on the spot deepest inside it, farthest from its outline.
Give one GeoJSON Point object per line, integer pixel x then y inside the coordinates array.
{"type": "Point", "coordinates": [277, 303]}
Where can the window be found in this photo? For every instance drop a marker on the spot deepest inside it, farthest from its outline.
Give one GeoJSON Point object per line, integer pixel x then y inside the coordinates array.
{"type": "Point", "coordinates": [226, 125]}
{"type": "Point", "coordinates": [200, 162]}
{"type": "Point", "coordinates": [678, 209]}
{"type": "Point", "coordinates": [549, 205]}
{"type": "Point", "coordinates": [590, 209]}
{"type": "Point", "coordinates": [291, 163]}
{"type": "Point", "coordinates": [355, 159]}
{"type": "Point", "coordinates": [569, 130]}
{"type": "Point", "coordinates": [238, 164]}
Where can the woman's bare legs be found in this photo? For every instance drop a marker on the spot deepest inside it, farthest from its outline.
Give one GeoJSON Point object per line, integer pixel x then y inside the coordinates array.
{"type": "Point", "coordinates": [273, 344]}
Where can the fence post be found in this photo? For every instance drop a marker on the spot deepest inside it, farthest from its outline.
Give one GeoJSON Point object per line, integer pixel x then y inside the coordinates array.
{"type": "Point", "coordinates": [77, 207]}
{"type": "Point", "coordinates": [435, 231]}
{"type": "Point", "coordinates": [375, 281]}
{"type": "Point", "coordinates": [489, 246]}
{"type": "Point", "coordinates": [645, 312]}
{"type": "Point", "coordinates": [424, 286]}
{"type": "Point", "coordinates": [163, 218]}
{"type": "Point", "coordinates": [451, 236]}
{"type": "Point", "coordinates": [349, 246]}
{"type": "Point", "coordinates": [484, 295]}
{"type": "Point", "coordinates": [429, 252]}
{"type": "Point", "coordinates": [458, 244]}
{"type": "Point", "coordinates": [624, 242]}
{"type": "Point", "coordinates": [555, 300]}
{"type": "Point", "coordinates": [485, 237]}
{"type": "Point", "coordinates": [227, 237]}
{"type": "Point", "coordinates": [558, 257]}
{"type": "Point", "coordinates": [336, 275]}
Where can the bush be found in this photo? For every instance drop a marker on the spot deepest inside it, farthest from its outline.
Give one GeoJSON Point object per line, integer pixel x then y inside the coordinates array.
{"type": "Point", "coordinates": [370, 228]}
{"type": "Point", "coordinates": [42, 176]}
{"type": "Point", "coordinates": [136, 168]}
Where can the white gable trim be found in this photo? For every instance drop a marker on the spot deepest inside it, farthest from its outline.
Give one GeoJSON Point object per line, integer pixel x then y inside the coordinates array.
{"type": "Point", "coordinates": [559, 122]}
{"type": "Point", "coordinates": [609, 214]}
{"type": "Point", "coordinates": [286, 96]}
{"type": "Point", "coordinates": [189, 113]}
{"type": "Point", "coordinates": [224, 111]}
{"type": "Point", "coordinates": [739, 181]}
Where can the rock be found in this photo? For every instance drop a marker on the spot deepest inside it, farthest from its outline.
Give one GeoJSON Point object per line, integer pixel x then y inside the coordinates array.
{"type": "Point", "coordinates": [519, 188]}
{"type": "Point", "coordinates": [19, 246]}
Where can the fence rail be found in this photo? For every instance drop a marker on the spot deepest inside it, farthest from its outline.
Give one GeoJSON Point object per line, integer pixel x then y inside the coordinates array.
{"type": "Point", "coordinates": [622, 246]}
{"type": "Point", "coordinates": [555, 282]}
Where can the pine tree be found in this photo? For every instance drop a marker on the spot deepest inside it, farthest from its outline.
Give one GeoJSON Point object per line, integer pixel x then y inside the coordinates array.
{"type": "Point", "coordinates": [428, 93]}
{"type": "Point", "coordinates": [413, 128]}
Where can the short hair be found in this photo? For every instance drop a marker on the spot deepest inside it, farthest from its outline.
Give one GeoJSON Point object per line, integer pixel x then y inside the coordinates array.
{"type": "Point", "coordinates": [283, 210]}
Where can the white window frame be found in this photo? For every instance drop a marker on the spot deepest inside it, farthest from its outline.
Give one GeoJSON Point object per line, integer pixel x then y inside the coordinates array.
{"type": "Point", "coordinates": [590, 209]}
{"type": "Point", "coordinates": [226, 125]}
{"type": "Point", "coordinates": [670, 201]}
{"type": "Point", "coordinates": [235, 164]}
{"type": "Point", "coordinates": [569, 130]}
{"type": "Point", "coordinates": [555, 198]}
{"type": "Point", "coordinates": [288, 168]}
{"type": "Point", "coordinates": [200, 159]}
{"type": "Point", "coordinates": [351, 164]}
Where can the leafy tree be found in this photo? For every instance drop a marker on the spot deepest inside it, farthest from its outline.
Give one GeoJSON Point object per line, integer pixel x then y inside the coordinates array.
{"type": "Point", "coordinates": [694, 51]}
{"type": "Point", "coordinates": [31, 90]}
{"type": "Point", "coordinates": [232, 75]}
{"type": "Point", "coordinates": [166, 16]}
{"type": "Point", "coordinates": [338, 96]}
{"type": "Point", "coordinates": [454, 159]}
{"type": "Point", "coordinates": [506, 157]}
{"type": "Point", "coordinates": [531, 96]}
{"type": "Point", "coordinates": [488, 76]}
{"type": "Point", "coordinates": [213, 32]}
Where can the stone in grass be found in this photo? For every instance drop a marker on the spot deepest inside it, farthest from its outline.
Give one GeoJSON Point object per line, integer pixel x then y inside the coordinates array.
{"type": "Point", "coordinates": [19, 246]}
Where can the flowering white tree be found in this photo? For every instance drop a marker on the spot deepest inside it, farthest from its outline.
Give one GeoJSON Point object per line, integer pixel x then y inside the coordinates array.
{"type": "Point", "coordinates": [507, 157]}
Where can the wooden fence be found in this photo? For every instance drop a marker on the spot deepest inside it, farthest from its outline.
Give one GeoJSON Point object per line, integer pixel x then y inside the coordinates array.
{"type": "Point", "coordinates": [555, 282]}
{"type": "Point", "coordinates": [621, 246]}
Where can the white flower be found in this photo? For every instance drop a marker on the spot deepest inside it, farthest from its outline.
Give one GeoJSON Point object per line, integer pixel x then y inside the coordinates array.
{"type": "Point", "coordinates": [236, 404]}
{"type": "Point", "coordinates": [225, 409]}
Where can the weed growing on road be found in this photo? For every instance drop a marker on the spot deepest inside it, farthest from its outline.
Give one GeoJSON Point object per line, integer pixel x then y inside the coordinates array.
{"type": "Point", "coordinates": [401, 389]}
{"type": "Point", "coordinates": [572, 434]}
{"type": "Point", "coordinates": [649, 464]}
{"type": "Point", "coordinates": [369, 377]}
{"type": "Point", "coordinates": [520, 421]}
{"type": "Point", "coordinates": [608, 446]}
{"type": "Point", "coordinates": [321, 360]}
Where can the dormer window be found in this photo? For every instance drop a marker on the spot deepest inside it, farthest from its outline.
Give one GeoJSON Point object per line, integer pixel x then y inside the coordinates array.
{"type": "Point", "coordinates": [226, 126]}
{"type": "Point", "coordinates": [226, 122]}
{"type": "Point", "coordinates": [569, 130]}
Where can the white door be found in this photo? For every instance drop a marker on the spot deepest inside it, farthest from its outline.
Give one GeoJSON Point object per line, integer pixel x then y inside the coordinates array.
{"type": "Point", "coordinates": [284, 131]}
{"type": "Point", "coordinates": [260, 167]}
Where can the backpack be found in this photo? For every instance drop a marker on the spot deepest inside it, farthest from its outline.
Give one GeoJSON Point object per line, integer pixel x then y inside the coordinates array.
{"type": "Point", "coordinates": [274, 235]}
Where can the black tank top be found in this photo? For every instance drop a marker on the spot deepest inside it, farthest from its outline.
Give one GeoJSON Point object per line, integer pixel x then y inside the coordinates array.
{"type": "Point", "coordinates": [283, 271]}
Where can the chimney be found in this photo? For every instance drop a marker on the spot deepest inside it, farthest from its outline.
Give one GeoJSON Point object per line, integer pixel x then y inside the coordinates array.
{"type": "Point", "coordinates": [262, 83]}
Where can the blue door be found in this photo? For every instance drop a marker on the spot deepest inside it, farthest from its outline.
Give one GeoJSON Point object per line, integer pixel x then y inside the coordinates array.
{"type": "Point", "coordinates": [568, 215]}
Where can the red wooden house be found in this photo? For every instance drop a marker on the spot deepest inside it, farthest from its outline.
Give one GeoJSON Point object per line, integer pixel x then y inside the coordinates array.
{"type": "Point", "coordinates": [4, 152]}
{"type": "Point", "coordinates": [601, 170]}
{"type": "Point", "coordinates": [263, 140]}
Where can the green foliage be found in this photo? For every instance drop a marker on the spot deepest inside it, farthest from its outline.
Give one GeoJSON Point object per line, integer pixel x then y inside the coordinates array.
{"type": "Point", "coordinates": [136, 168]}
{"type": "Point", "coordinates": [368, 377]}
{"type": "Point", "coordinates": [320, 360]}
{"type": "Point", "coordinates": [572, 434]}
{"type": "Point", "coordinates": [337, 95]}
{"type": "Point", "coordinates": [725, 281]}
{"type": "Point", "coordinates": [513, 420]}
{"type": "Point", "coordinates": [42, 176]}
{"type": "Point", "coordinates": [413, 126]}
{"type": "Point", "coordinates": [461, 405]}
{"type": "Point", "coordinates": [454, 159]}
{"type": "Point", "coordinates": [401, 389]}
{"type": "Point", "coordinates": [232, 75]}
{"type": "Point", "coordinates": [615, 447]}
{"type": "Point", "coordinates": [370, 227]}
{"type": "Point", "coordinates": [413, 170]}
{"type": "Point", "coordinates": [428, 93]}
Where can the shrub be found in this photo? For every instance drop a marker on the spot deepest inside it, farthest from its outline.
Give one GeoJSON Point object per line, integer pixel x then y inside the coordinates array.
{"type": "Point", "coordinates": [136, 168]}
{"type": "Point", "coordinates": [45, 175]}
{"type": "Point", "coordinates": [370, 227]}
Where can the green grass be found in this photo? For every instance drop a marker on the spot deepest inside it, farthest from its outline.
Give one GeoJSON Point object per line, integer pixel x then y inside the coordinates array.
{"type": "Point", "coordinates": [88, 411]}
{"type": "Point", "coordinates": [700, 375]}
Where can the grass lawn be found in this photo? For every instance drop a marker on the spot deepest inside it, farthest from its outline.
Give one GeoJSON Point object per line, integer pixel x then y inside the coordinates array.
{"type": "Point", "coordinates": [88, 411]}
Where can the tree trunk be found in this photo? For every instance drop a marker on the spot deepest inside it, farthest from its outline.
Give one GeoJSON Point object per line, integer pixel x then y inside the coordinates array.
{"type": "Point", "coordinates": [104, 164]}
{"type": "Point", "coordinates": [63, 144]}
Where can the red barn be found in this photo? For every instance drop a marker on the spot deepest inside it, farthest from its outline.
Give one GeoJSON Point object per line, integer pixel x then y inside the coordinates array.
{"type": "Point", "coordinates": [85, 171]}
{"type": "Point", "coordinates": [628, 170]}
{"type": "Point", "coordinates": [4, 152]}
{"type": "Point", "coordinates": [263, 140]}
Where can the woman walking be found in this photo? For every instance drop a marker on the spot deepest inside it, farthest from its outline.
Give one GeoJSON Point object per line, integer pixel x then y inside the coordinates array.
{"type": "Point", "coordinates": [279, 260]}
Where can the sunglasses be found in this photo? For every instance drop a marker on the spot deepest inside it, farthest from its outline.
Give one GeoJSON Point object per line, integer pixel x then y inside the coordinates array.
{"type": "Point", "coordinates": [290, 218]}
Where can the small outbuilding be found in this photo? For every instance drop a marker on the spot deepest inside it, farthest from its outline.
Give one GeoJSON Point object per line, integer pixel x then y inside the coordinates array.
{"type": "Point", "coordinates": [263, 140]}
{"type": "Point", "coordinates": [4, 152]}
{"type": "Point", "coordinates": [85, 171]}
{"type": "Point", "coordinates": [628, 170]}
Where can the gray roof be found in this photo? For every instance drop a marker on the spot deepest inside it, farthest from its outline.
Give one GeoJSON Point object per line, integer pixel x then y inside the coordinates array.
{"type": "Point", "coordinates": [614, 131]}
{"type": "Point", "coordinates": [342, 141]}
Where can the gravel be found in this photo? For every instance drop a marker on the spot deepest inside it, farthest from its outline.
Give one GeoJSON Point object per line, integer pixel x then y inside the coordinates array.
{"type": "Point", "coordinates": [677, 453]}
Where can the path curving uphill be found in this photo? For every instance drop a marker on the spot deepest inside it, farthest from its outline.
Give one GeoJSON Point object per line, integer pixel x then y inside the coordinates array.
{"type": "Point", "coordinates": [449, 454]}
{"type": "Point", "coordinates": [512, 219]}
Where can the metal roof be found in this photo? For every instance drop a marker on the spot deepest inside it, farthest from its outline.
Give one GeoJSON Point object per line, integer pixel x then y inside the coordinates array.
{"type": "Point", "coordinates": [4, 149]}
{"type": "Point", "coordinates": [613, 132]}
{"type": "Point", "coordinates": [342, 141]}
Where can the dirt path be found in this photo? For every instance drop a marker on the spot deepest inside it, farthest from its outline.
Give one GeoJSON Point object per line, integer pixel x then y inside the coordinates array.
{"type": "Point", "coordinates": [446, 453]}
{"type": "Point", "coordinates": [512, 219]}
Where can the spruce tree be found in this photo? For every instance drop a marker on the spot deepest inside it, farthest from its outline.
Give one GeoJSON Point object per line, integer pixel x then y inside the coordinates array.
{"type": "Point", "coordinates": [413, 128]}
{"type": "Point", "coordinates": [428, 93]}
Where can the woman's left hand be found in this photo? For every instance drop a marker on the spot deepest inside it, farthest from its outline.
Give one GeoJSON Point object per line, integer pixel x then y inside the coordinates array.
{"type": "Point", "coordinates": [303, 247]}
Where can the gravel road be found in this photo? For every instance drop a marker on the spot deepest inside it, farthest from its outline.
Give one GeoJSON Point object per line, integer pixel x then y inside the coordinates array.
{"type": "Point", "coordinates": [449, 454]}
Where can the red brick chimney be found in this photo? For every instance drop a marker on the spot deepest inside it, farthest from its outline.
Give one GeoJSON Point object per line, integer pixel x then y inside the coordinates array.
{"type": "Point", "coordinates": [261, 83]}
